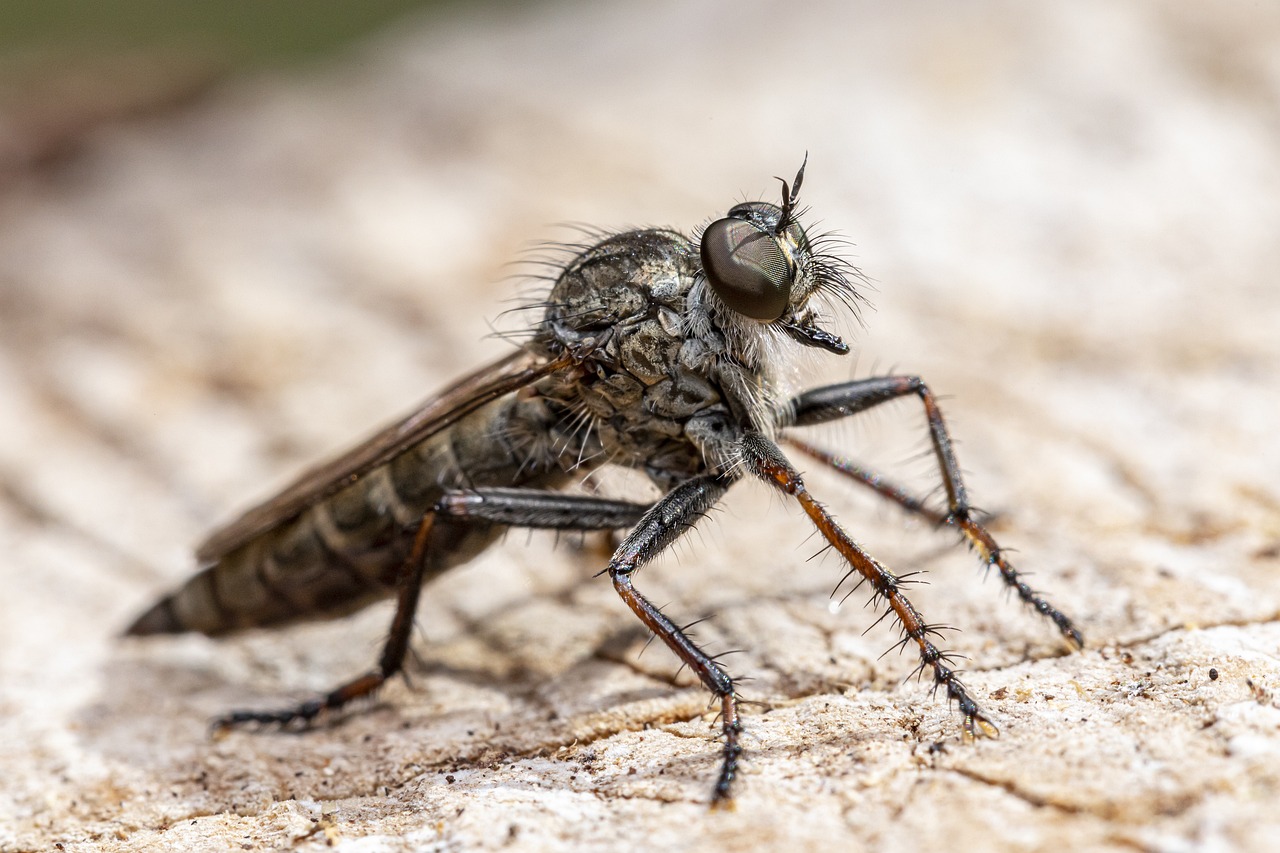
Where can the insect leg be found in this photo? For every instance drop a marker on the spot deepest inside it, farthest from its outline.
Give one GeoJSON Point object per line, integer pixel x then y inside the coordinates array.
{"type": "Point", "coordinates": [536, 508]}
{"type": "Point", "coordinates": [654, 529]}
{"type": "Point", "coordinates": [408, 588]}
{"type": "Point", "coordinates": [515, 507]}
{"type": "Point", "coordinates": [763, 458]}
{"type": "Point", "coordinates": [671, 516]}
{"type": "Point", "coordinates": [873, 480]}
{"type": "Point", "coordinates": [849, 398]}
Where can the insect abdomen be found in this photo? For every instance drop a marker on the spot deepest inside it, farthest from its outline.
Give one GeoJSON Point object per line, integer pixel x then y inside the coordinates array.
{"type": "Point", "coordinates": [346, 551]}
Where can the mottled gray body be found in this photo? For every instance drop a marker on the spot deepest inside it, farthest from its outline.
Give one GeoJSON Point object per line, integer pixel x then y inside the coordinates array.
{"type": "Point", "coordinates": [655, 352]}
{"type": "Point", "coordinates": [655, 387]}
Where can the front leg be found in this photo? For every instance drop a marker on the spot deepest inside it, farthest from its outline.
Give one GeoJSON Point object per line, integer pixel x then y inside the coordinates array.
{"type": "Point", "coordinates": [763, 458]}
{"type": "Point", "coordinates": [833, 402]}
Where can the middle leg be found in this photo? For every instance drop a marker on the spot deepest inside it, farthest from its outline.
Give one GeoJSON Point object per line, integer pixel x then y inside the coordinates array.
{"type": "Point", "coordinates": [655, 528]}
{"type": "Point", "coordinates": [671, 516]}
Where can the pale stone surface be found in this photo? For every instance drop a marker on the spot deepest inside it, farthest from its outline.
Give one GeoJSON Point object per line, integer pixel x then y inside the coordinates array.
{"type": "Point", "coordinates": [1070, 214]}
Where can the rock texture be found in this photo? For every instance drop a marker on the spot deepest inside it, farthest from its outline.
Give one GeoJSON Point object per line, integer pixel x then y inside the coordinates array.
{"type": "Point", "coordinates": [1069, 214]}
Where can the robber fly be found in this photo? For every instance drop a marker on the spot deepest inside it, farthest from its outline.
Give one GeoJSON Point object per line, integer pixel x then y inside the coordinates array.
{"type": "Point", "coordinates": [655, 351]}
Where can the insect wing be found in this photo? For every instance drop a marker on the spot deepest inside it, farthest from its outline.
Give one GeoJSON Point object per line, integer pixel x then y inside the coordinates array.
{"type": "Point", "coordinates": [437, 413]}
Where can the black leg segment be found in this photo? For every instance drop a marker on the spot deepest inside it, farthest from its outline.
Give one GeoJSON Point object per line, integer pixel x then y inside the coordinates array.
{"type": "Point", "coordinates": [833, 402]}
{"type": "Point", "coordinates": [408, 589]}
{"type": "Point", "coordinates": [671, 516]}
{"type": "Point", "coordinates": [517, 507]}
{"type": "Point", "coordinates": [540, 509]}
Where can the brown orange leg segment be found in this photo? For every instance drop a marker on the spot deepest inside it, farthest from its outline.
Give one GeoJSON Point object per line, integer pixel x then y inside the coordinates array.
{"type": "Point", "coordinates": [850, 398]}
{"type": "Point", "coordinates": [671, 516]}
{"type": "Point", "coordinates": [708, 671]}
{"type": "Point", "coordinates": [408, 589]}
{"type": "Point", "coordinates": [764, 459]}
{"type": "Point", "coordinates": [513, 507]}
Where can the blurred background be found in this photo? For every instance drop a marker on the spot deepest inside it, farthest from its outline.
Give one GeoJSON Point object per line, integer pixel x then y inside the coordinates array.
{"type": "Point", "coordinates": [67, 67]}
{"type": "Point", "coordinates": [316, 193]}
{"type": "Point", "coordinates": [235, 237]}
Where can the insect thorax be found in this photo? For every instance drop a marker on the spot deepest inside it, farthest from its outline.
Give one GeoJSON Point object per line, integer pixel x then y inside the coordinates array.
{"type": "Point", "coordinates": [657, 391]}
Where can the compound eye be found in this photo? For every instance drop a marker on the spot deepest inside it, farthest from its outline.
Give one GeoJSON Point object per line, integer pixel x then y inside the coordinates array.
{"type": "Point", "coordinates": [746, 268]}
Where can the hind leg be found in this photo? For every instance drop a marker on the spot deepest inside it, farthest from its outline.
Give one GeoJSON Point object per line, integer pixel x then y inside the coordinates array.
{"type": "Point", "coordinates": [515, 507]}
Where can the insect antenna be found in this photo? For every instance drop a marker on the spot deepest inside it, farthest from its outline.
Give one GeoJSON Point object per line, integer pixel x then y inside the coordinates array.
{"type": "Point", "coordinates": [789, 196]}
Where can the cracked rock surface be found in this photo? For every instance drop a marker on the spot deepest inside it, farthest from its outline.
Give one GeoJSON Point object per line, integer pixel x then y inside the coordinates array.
{"type": "Point", "coordinates": [1069, 216]}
